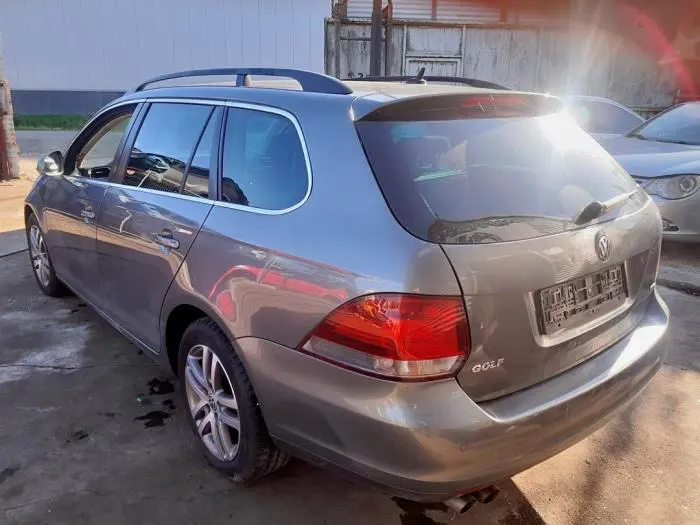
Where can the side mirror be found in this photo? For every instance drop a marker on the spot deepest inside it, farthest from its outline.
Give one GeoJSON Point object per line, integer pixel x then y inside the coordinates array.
{"type": "Point", "coordinates": [51, 164]}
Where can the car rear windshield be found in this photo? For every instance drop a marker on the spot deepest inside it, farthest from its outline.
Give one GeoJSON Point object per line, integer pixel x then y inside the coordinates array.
{"type": "Point", "coordinates": [481, 176]}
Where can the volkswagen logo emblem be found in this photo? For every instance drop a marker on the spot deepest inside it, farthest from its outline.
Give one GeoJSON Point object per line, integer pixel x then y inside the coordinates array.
{"type": "Point", "coordinates": [603, 247]}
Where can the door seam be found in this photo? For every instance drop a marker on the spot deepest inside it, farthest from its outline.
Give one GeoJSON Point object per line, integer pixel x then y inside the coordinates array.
{"type": "Point", "coordinates": [177, 273]}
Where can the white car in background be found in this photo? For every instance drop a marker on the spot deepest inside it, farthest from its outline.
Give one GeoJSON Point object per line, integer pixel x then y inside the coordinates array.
{"type": "Point", "coordinates": [602, 117]}
{"type": "Point", "coordinates": [663, 156]}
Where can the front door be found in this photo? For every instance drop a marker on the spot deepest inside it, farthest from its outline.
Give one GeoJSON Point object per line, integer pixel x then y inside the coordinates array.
{"type": "Point", "coordinates": [152, 214]}
{"type": "Point", "coordinates": [72, 201]}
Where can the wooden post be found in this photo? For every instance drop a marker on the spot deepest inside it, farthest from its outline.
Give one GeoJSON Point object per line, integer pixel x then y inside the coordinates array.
{"type": "Point", "coordinates": [9, 153]}
{"type": "Point", "coordinates": [577, 69]}
{"type": "Point", "coordinates": [375, 46]}
{"type": "Point", "coordinates": [388, 15]}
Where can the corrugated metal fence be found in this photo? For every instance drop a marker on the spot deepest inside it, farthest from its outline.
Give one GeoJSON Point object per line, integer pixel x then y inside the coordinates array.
{"type": "Point", "coordinates": [543, 13]}
{"type": "Point", "coordinates": [403, 9]}
{"type": "Point", "coordinates": [555, 60]}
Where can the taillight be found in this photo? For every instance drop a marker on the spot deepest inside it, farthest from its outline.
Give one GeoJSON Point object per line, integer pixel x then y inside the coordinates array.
{"type": "Point", "coordinates": [399, 336]}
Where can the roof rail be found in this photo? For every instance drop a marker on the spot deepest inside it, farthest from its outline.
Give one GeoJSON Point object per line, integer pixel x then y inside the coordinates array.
{"type": "Point", "coordinates": [418, 79]}
{"type": "Point", "coordinates": [310, 81]}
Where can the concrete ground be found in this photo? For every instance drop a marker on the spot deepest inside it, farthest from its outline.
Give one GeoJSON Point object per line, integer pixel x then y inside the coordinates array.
{"type": "Point", "coordinates": [41, 142]}
{"type": "Point", "coordinates": [92, 432]}
{"type": "Point", "coordinates": [679, 267]}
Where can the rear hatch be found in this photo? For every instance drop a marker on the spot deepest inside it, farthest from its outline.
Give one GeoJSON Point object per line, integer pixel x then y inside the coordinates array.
{"type": "Point", "coordinates": [501, 181]}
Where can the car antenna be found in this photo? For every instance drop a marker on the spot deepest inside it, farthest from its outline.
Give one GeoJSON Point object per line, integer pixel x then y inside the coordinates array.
{"type": "Point", "coordinates": [418, 79]}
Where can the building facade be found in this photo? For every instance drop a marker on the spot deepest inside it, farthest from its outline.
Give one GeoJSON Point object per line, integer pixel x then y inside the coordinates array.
{"type": "Point", "coordinates": [72, 56]}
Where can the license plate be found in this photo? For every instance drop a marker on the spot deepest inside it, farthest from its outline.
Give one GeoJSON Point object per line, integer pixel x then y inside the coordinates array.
{"type": "Point", "coordinates": [580, 300]}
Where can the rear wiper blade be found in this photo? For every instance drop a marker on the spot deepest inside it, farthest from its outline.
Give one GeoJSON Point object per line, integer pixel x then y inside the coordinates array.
{"type": "Point", "coordinates": [683, 142]}
{"type": "Point", "coordinates": [596, 208]}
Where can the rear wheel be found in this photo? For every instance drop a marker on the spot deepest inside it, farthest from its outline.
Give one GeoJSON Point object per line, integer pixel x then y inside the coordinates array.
{"type": "Point", "coordinates": [224, 412]}
{"type": "Point", "coordinates": [44, 273]}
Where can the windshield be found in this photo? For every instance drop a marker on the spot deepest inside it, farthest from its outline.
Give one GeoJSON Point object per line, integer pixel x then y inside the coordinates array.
{"type": "Point", "coordinates": [479, 180]}
{"type": "Point", "coordinates": [679, 125]}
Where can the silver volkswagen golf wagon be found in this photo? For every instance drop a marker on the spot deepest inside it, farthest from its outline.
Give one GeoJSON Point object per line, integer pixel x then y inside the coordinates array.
{"type": "Point", "coordinates": [428, 286]}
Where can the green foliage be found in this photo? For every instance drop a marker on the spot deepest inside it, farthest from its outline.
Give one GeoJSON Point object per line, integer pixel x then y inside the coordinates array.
{"type": "Point", "coordinates": [49, 122]}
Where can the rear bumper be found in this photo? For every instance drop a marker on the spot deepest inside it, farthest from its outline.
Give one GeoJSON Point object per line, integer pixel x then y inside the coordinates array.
{"type": "Point", "coordinates": [430, 441]}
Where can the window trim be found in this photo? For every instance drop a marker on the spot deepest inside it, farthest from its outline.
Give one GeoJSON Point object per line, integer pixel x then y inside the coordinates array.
{"type": "Point", "coordinates": [217, 113]}
{"type": "Point", "coordinates": [118, 175]}
{"type": "Point", "coordinates": [135, 125]}
{"type": "Point", "coordinates": [194, 152]}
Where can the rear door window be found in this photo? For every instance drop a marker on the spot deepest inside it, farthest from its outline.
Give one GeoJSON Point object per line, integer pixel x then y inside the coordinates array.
{"type": "Point", "coordinates": [490, 178]}
{"type": "Point", "coordinates": [197, 182]}
{"type": "Point", "coordinates": [164, 145]}
{"type": "Point", "coordinates": [264, 165]}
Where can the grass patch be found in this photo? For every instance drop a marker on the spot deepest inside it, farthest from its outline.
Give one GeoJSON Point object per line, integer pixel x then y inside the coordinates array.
{"type": "Point", "coordinates": [49, 122]}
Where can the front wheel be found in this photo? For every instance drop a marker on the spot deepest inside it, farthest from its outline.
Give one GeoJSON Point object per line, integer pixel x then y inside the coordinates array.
{"type": "Point", "coordinates": [224, 412]}
{"type": "Point", "coordinates": [44, 273]}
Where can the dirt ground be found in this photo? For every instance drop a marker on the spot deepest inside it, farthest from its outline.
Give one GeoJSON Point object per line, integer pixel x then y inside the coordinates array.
{"type": "Point", "coordinates": [91, 431]}
{"type": "Point", "coordinates": [12, 194]}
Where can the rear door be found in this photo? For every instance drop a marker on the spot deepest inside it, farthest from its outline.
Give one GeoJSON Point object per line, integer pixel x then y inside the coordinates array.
{"type": "Point", "coordinates": [151, 216]}
{"type": "Point", "coordinates": [500, 182]}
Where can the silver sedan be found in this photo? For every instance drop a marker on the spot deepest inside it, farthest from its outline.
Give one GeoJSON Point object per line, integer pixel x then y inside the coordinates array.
{"type": "Point", "coordinates": [602, 117]}
{"type": "Point", "coordinates": [663, 156]}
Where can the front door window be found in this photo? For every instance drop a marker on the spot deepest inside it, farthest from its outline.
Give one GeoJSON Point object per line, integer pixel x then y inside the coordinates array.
{"type": "Point", "coordinates": [96, 157]}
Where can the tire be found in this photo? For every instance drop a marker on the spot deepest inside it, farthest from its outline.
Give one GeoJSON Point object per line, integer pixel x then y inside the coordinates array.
{"type": "Point", "coordinates": [42, 267]}
{"type": "Point", "coordinates": [255, 455]}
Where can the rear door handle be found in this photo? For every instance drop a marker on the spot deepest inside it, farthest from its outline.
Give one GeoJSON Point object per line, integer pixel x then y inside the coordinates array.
{"type": "Point", "coordinates": [165, 238]}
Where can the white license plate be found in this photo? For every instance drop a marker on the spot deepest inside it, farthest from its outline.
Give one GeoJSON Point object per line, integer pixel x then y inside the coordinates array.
{"type": "Point", "coordinates": [577, 301]}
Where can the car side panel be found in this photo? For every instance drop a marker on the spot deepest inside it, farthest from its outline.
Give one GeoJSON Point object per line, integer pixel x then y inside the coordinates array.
{"type": "Point", "coordinates": [277, 276]}
{"type": "Point", "coordinates": [431, 440]}
{"type": "Point", "coordinates": [36, 199]}
{"type": "Point", "coordinates": [70, 206]}
{"type": "Point", "coordinates": [249, 271]}
{"type": "Point", "coordinates": [137, 271]}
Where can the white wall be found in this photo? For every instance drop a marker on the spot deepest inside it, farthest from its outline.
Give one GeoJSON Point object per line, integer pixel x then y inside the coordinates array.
{"type": "Point", "coordinates": [114, 44]}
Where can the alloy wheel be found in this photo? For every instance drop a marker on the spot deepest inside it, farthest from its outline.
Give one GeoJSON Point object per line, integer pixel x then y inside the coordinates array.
{"type": "Point", "coordinates": [212, 402]}
{"type": "Point", "coordinates": [39, 256]}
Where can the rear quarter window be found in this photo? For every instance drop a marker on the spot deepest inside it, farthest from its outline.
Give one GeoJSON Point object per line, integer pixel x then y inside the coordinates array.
{"type": "Point", "coordinates": [264, 163]}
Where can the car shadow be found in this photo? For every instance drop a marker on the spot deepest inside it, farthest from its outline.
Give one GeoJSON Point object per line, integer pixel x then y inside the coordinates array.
{"type": "Point", "coordinates": [358, 504]}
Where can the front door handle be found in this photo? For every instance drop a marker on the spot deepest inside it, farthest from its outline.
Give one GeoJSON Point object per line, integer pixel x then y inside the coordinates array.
{"type": "Point", "coordinates": [165, 238]}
